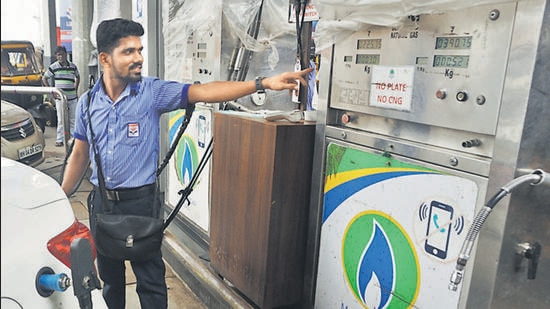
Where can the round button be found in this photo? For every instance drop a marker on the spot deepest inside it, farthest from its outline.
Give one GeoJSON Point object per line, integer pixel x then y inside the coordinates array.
{"type": "Point", "coordinates": [480, 100]}
{"type": "Point", "coordinates": [441, 94]}
{"type": "Point", "coordinates": [461, 96]}
{"type": "Point", "coordinates": [346, 118]}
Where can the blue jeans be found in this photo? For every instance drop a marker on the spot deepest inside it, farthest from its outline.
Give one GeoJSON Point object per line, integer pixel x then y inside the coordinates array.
{"type": "Point", "coordinates": [150, 275]}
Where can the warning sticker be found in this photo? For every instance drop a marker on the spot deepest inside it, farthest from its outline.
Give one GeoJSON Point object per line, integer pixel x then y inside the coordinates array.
{"type": "Point", "coordinates": [391, 87]}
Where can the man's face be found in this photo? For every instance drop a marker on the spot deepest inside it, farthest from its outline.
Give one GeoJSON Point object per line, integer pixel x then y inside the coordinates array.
{"type": "Point", "coordinates": [61, 57]}
{"type": "Point", "coordinates": [127, 60]}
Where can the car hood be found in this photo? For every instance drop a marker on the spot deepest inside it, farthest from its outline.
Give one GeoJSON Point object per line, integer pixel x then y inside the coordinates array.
{"type": "Point", "coordinates": [19, 181]}
{"type": "Point", "coordinates": [12, 113]}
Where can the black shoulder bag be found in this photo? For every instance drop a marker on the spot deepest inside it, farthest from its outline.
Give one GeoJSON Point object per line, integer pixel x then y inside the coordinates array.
{"type": "Point", "coordinates": [124, 236]}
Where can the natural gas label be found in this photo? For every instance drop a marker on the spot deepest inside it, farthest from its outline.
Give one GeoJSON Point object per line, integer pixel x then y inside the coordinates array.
{"type": "Point", "coordinates": [391, 87]}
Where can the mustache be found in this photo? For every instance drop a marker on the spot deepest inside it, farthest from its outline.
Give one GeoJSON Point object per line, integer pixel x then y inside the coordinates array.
{"type": "Point", "coordinates": [135, 66]}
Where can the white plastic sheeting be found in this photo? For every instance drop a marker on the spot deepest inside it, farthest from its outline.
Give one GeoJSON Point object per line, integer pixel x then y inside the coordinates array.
{"type": "Point", "coordinates": [340, 18]}
{"type": "Point", "coordinates": [240, 14]}
{"type": "Point", "coordinates": [183, 17]}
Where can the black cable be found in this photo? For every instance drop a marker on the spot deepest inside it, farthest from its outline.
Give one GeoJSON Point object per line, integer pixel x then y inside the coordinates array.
{"type": "Point", "coordinates": [190, 186]}
{"type": "Point", "coordinates": [186, 119]}
{"type": "Point", "coordinates": [253, 31]}
{"type": "Point", "coordinates": [297, 9]}
{"type": "Point", "coordinates": [300, 6]}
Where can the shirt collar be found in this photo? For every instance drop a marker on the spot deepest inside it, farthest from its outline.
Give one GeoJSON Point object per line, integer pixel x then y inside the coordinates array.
{"type": "Point", "coordinates": [134, 88]}
{"type": "Point", "coordinates": [131, 89]}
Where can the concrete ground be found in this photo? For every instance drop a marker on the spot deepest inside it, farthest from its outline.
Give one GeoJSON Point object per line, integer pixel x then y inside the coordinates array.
{"type": "Point", "coordinates": [179, 293]}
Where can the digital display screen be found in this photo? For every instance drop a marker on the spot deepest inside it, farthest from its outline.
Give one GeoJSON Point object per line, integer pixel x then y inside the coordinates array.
{"type": "Point", "coordinates": [422, 60]}
{"type": "Point", "coordinates": [201, 46]}
{"type": "Point", "coordinates": [348, 58]}
{"type": "Point", "coordinates": [367, 59]}
{"type": "Point", "coordinates": [369, 44]}
{"type": "Point", "coordinates": [453, 42]}
{"type": "Point", "coordinates": [451, 61]}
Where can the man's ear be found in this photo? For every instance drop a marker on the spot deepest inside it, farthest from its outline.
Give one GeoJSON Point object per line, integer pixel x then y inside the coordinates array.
{"type": "Point", "coordinates": [104, 59]}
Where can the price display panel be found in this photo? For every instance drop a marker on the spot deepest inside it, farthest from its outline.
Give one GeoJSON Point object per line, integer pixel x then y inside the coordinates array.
{"type": "Point", "coordinates": [453, 42]}
{"type": "Point", "coordinates": [451, 61]}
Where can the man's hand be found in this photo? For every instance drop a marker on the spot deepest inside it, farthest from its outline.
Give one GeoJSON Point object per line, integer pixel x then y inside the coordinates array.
{"type": "Point", "coordinates": [287, 80]}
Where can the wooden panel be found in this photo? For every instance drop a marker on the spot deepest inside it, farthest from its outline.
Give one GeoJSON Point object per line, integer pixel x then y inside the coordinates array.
{"type": "Point", "coordinates": [261, 177]}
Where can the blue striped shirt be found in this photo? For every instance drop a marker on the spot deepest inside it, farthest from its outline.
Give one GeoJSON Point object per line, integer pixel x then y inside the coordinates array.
{"type": "Point", "coordinates": [126, 132]}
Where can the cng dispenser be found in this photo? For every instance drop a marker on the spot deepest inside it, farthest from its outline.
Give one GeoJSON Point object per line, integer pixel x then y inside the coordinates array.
{"type": "Point", "coordinates": [199, 44]}
{"type": "Point", "coordinates": [419, 125]}
{"type": "Point", "coordinates": [192, 39]}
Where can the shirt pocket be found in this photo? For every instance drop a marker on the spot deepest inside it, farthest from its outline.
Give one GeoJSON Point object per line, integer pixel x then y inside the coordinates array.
{"type": "Point", "coordinates": [134, 129]}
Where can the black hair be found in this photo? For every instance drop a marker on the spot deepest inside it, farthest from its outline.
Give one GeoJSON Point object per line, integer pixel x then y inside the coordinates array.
{"type": "Point", "coordinates": [60, 49]}
{"type": "Point", "coordinates": [109, 32]}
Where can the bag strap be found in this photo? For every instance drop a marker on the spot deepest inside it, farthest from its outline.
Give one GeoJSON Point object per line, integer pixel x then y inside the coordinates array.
{"type": "Point", "coordinates": [190, 108]}
{"type": "Point", "coordinates": [101, 180]}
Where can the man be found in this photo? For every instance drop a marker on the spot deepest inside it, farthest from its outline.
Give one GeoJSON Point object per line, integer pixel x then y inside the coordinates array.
{"type": "Point", "coordinates": [65, 77]}
{"type": "Point", "coordinates": [124, 114]}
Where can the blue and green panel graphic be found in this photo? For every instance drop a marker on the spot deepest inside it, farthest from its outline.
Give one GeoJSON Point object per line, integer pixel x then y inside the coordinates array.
{"type": "Point", "coordinates": [186, 158]}
{"type": "Point", "coordinates": [376, 227]}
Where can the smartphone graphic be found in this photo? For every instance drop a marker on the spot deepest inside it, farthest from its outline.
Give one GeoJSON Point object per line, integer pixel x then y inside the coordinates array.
{"type": "Point", "coordinates": [439, 229]}
{"type": "Point", "coordinates": [201, 131]}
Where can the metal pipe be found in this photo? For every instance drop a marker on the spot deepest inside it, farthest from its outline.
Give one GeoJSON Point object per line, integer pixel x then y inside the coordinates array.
{"type": "Point", "coordinates": [241, 56]}
{"type": "Point", "coordinates": [46, 90]}
{"type": "Point", "coordinates": [253, 31]}
{"type": "Point", "coordinates": [536, 177]}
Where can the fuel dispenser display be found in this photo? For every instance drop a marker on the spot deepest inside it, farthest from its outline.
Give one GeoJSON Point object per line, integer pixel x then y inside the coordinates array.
{"type": "Point", "coordinates": [443, 71]}
{"type": "Point", "coordinates": [421, 121]}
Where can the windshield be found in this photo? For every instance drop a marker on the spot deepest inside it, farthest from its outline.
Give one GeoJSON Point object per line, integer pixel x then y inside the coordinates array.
{"type": "Point", "coordinates": [19, 61]}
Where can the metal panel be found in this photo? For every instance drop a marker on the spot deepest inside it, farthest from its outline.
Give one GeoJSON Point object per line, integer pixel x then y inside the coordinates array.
{"type": "Point", "coordinates": [506, 83]}
{"type": "Point", "coordinates": [521, 145]}
{"type": "Point", "coordinates": [471, 67]}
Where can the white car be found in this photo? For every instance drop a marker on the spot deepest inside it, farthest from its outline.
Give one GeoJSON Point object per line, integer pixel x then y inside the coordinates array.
{"type": "Point", "coordinates": [22, 139]}
{"type": "Point", "coordinates": [47, 254]}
